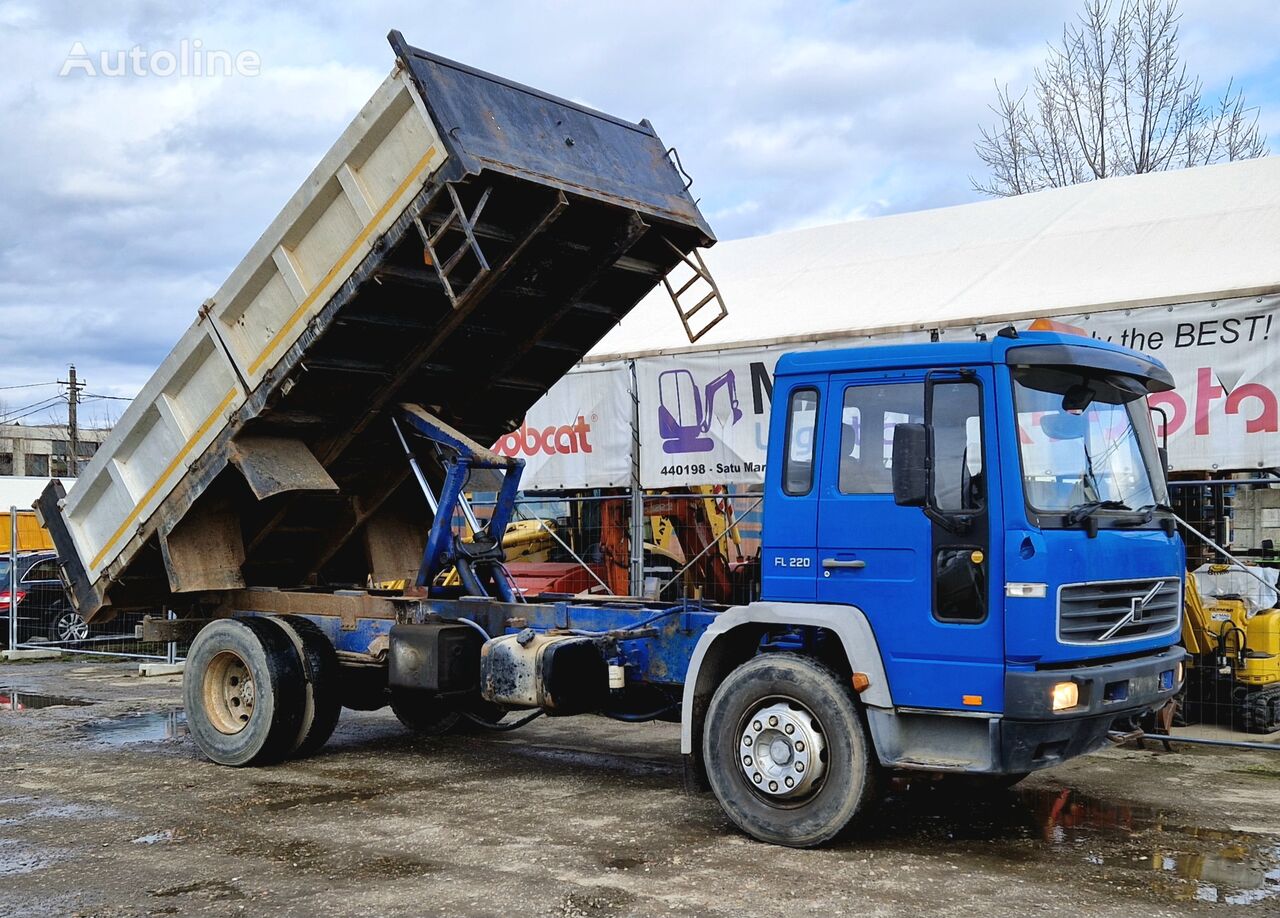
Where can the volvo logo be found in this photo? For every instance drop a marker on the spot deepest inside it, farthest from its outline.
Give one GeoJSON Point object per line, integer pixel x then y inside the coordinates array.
{"type": "Point", "coordinates": [1137, 611]}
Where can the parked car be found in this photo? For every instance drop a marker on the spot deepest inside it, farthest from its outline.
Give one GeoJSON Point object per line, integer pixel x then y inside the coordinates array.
{"type": "Point", "coordinates": [45, 612]}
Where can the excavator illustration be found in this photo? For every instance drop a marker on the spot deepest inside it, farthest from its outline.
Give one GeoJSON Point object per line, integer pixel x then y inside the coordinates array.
{"type": "Point", "coordinates": [682, 421]}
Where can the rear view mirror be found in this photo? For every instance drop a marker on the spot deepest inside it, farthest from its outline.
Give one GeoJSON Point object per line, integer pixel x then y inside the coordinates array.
{"type": "Point", "coordinates": [910, 465]}
{"type": "Point", "coordinates": [1062, 425]}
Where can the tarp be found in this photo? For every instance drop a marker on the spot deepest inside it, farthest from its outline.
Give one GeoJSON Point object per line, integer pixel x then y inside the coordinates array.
{"type": "Point", "coordinates": [1189, 236]}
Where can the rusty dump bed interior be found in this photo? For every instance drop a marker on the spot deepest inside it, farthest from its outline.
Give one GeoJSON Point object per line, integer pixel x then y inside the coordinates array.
{"type": "Point", "coordinates": [547, 223]}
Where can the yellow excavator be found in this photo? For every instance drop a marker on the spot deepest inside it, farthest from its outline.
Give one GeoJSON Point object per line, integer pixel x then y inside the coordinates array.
{"type": "Point", "coordinates": [1235, 659]}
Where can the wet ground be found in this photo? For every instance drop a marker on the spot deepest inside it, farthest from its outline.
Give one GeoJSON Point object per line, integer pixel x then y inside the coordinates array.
{"type": "Point", "coordinates": [107, 809]}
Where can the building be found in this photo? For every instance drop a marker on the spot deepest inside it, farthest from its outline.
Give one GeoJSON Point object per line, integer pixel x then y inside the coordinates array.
{"type": "Point", "coordinates": [43, 451]}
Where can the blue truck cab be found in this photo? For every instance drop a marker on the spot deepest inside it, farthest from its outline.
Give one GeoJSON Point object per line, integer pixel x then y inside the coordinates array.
{"type": "Point", "coordinates": [996, 511]}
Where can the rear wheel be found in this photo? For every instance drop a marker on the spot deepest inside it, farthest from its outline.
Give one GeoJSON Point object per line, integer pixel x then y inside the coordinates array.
{"type": "Point", "coordinates": [244, 692]}
{"type": "Point", "coordinates": [423, 712]}
{"type": "Point", "coordinates": [321, 704]}
{"type": "Point", "coordinates": [786, 751]}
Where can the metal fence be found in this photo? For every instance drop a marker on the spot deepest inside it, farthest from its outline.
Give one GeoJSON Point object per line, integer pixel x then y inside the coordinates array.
{"type": "Point", "coordinates": [38, 614]}
{"type": "Point", "coordinates": [1231, 629]}
{"type": "Point", "coordinates": [700, 543]}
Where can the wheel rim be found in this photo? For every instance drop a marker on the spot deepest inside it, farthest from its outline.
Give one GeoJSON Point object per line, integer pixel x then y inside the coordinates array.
{"type": "Point", "coordinates": [228, 693]}
{"type": "Point", "coordinates": [71, 627]}
{"type": "Point", "coordinates": [781, 750]}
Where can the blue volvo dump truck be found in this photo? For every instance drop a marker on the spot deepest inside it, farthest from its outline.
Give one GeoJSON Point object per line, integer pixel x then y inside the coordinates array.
{"type": "Point", "coordinates": [969, 566]}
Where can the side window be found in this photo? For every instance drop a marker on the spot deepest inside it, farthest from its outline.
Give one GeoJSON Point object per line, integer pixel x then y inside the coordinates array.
{"type": "Point", "coordinates": [42, 570]}
{"type": "Point", "coordinates": [958, 480]}
{"type": "Point", "coordinates": [867, 419]}
{"type": "Point", "coordinates": [802, 422]}
{"type": "Point", "coordinates": [959, 585]}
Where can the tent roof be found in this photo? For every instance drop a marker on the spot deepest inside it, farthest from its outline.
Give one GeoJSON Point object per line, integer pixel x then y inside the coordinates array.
{"type": "Point", "coordinates": [1170, 237]}
{"type": "Point", "coordinates": [21, 491]}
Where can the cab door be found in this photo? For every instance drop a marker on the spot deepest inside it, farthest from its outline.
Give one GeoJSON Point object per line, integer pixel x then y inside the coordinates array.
{"type": "Point", "coordinates": [920, 574]}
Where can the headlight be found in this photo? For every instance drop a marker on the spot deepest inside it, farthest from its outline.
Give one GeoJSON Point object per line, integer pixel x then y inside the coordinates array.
{"type": "Point", "coordinates": [1065, 695]}
{"type": "Point", "coordinates": [1180, 673]}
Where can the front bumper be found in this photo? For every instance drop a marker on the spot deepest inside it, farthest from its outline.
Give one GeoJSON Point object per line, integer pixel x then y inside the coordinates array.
{"type": "Point", "coordinates": [1032, 735]}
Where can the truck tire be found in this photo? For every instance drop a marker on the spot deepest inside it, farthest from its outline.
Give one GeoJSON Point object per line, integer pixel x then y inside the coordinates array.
{"type": "Point", "coordinates": [363, 688]}
{"type": "Point", "coordinates": [787, 752]}
{"type": "Point", "coordinates": [423, 712]}
{"type": "Point", "coordinates": [244, 692]}
{"type": "Point", "coordinates": [322, 705]}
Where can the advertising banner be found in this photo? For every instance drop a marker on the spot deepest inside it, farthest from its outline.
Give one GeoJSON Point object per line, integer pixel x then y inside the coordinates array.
{"type": "Point", "coordinates": [1223, 413]}
{"type": "Point", "coordinates": [704, 416]}
{"type": "Point", "coordinates": [578, 435]}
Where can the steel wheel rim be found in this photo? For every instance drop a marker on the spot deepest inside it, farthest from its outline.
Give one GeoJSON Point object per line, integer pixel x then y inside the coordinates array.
{"type": "Point", "coordinates": [228, 693]}
{"type": "Point", "coordinates": [71, 627]}
{"type": "Point", "coordinates": [782, 751]}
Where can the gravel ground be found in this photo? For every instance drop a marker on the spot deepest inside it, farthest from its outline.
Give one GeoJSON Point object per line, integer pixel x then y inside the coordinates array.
{"type": "Point", "coordinates": [107, 809]}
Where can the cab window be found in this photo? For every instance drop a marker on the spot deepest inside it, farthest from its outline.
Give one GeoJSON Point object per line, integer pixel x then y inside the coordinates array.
{"type": "Point", "coordinates": [957, 447]}
{"type": "Point", "coordinates": [867, 420]}
{"type": "Point", "coordinates": [802, 422]}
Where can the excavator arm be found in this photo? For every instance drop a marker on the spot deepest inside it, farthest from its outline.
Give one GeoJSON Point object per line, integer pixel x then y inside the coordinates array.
{"type": "Point", "coordinates": [725, 381]}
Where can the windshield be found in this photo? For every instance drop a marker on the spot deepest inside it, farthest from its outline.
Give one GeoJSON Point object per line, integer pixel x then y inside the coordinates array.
{"type": "Point", "coordinates": [1079, 449]}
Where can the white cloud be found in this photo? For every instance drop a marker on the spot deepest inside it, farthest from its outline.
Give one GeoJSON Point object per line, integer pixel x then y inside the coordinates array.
{"type": "Point", "coordinates": [124, 202]}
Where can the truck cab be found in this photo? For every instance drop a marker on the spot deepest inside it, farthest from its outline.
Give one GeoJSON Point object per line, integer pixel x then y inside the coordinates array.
{"type": "Point", "coordinates": [996, 511]}
{"type": "Point", "coordinates": [971, 539]}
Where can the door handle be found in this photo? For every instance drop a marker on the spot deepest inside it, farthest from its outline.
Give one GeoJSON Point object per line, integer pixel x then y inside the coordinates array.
{"type": "Point", "coordinates": [828, 563]}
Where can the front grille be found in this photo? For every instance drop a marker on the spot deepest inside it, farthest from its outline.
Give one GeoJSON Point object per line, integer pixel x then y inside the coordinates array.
{"type": "Point", "coordinates": [1088, 613]}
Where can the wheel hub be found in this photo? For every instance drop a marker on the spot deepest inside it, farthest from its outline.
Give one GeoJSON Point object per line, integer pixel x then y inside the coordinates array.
{"type": "Point", "coordinates": [780, 749]}
{"type": "Point", "coordinates": [71, 627]}
{"type": "Point", "coordinates": [228, 693]}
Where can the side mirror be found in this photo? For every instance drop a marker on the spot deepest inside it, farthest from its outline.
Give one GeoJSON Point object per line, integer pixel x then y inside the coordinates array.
{"type": "Point", "coordinates": [910, 465]}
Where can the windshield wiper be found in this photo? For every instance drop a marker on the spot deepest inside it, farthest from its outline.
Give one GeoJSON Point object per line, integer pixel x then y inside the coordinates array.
{"type": "Point", "coordinates": [1081, 512]}
{"type": "Point", "coordinates": [1145, 513]}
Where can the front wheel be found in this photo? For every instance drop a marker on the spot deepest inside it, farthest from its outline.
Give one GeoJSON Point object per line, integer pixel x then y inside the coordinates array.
{"type": "Point", "coordinates": [787, 752]}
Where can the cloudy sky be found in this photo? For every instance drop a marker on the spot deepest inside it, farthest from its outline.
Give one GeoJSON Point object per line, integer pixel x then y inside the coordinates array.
{"type": "Point", "coordinates": [125, 201]}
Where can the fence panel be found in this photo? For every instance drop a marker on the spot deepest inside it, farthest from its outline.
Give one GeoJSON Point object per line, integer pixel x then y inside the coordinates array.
{"type": "Point", "coordinates": [38, 614]}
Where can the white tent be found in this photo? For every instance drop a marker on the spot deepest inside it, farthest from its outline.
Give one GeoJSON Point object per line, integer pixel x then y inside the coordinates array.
{"type": "Point", "coordinates": [1194, 235]}
{"type": "Point", "coordinates": [21, 491]}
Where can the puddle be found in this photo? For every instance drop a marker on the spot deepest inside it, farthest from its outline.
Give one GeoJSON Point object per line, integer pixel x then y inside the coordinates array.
{"type": "Point", "coordinates": [18, 859]}
{"type": "Point", "coordinates": [154, 838]}
{"type": "Point", "coordinates": [1120, 840]}
{"type": "Point", "coordinates": [138, 728]}
{"type": "Point", "coordinates": [13, 700]}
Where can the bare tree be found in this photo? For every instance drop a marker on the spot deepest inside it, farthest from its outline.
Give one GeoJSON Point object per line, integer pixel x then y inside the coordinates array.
{"type": "Point", "coordinates": [1113, 98]}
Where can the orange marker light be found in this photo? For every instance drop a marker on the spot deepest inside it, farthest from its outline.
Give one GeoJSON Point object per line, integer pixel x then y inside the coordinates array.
{"type": "Point", "coordinates": [972, 700]}
{"type": "Point", "coordinates": [860, 682]}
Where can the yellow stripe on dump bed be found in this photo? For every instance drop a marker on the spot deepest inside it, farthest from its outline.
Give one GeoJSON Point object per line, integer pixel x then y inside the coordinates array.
{"type": "Point", "coordinates": [266, 352]}
{"type": "Point", "coordinates": [168, 470]}
{"type": "Point", "coordinates": [342, 262]}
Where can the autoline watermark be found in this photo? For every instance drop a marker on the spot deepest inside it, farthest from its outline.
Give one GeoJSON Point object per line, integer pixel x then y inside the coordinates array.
{"type": "Point", "coordinates": [189, 59]}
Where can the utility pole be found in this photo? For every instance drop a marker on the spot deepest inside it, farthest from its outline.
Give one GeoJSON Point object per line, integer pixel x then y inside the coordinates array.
{"type": "Point", "coordinates": [73, 399]}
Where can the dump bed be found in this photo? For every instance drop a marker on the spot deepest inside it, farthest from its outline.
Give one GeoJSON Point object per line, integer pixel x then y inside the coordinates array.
{"type": "Point", "coordinates": [463, 244]}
